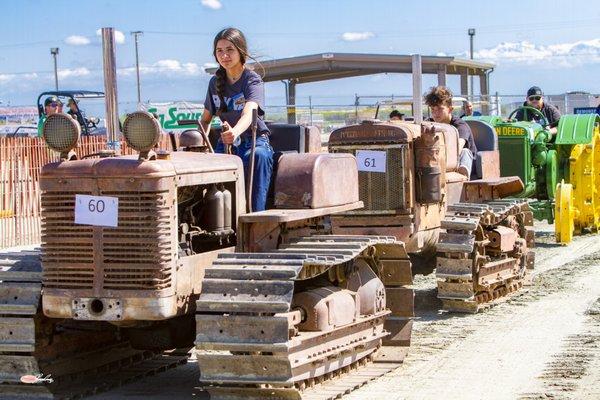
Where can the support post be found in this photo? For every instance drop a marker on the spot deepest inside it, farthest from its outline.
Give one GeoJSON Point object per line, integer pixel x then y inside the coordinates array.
{"type": "Point", "coordinates": [498, 105]}
{"type": "Point", "coordinates": [110, 85]}
{"type": "Point", "coordinates": [417, 78]}
{"type": "Point", "coordinates": [485, 94]}
{"type": "Point", "coordinates": [136, 35]}
{"type": "Point", "coordinates": [441, 75]}
{"type": "Point", "coordinates": [471, 33]}
{"type": "Point", "coordinates": [54, 52]}
{"type": "Point", "coordinates": [291, 101]}
{"type": "Point", "coordinates": [464, 83]}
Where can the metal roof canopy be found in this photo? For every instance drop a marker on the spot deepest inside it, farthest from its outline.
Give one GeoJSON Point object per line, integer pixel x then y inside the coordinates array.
{"type": "Point", "coordinates": [326, 66]}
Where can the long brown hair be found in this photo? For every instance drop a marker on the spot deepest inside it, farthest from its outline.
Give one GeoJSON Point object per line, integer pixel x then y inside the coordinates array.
{"type": "Point", "coordinates": [237, 38]}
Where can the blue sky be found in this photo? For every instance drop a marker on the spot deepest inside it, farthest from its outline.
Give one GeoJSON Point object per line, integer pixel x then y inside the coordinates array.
{"type": "Point", "coordinates": [554, 44]}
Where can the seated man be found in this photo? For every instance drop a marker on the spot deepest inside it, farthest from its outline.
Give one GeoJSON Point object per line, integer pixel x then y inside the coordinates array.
{"type": "Point", "coordinates": [396, 115]}
{"type": "Point", "coordinates": [51, 105]}
{"type": "Point", "coordinates": [468, 110]}
{"type": "Point", "coordinates": [75, 112]}
{"type": "Point", "coordinates": [535, 99]}
{"type": "Point", "coordinates": [439, 100]}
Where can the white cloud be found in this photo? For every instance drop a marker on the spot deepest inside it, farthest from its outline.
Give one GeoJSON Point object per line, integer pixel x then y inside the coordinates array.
{"type": "Point", "coordinates": [73, 73]}
{"type": "Point", "coordinates": [167, 67]}
{"type": "Point", "coordinates": [357, 36]}
{"type": "Point", "coordinates": [564, 55]}
{"type": "Point", "coordinates": [6, 78]}
{"type": "Point", "coordinates": [76, 40]}
{"type": "Point", "coordinates": [119, 36]}
{"type": "Point", "coordinates": [212, 4]}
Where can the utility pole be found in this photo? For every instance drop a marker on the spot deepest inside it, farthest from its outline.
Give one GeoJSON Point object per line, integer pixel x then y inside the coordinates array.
{"type": "Point", "coordinates": [54, 52]}
{"type": "Point", "coordinates": [136, 35]}
{"type": "Point", "coordinates": [471, 36]}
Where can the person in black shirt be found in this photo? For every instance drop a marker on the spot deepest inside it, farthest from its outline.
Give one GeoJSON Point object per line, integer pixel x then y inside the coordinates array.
{"type": "Point", "coordinates": [439, 100]}
{"type": "Point", "coordinates": [535, 99]}
{"type": "Point", "coordinates": [75, 112]}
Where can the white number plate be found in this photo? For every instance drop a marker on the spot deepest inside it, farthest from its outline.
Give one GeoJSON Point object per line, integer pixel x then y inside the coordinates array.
{"type": "Point", "coordinates": [96, 210]}
{"type": "Point", "coordinates": [371, 161]}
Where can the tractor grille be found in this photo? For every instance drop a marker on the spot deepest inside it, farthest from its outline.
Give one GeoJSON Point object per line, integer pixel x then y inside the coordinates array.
{"type": "Point", "coordinates": [68, 249]}
{"type": "Point", "coordinates": [383, 191]}
{"type": "Point", "coordinates": [136, 255]}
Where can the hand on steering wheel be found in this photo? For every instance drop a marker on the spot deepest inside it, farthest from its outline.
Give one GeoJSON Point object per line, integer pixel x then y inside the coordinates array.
{"type": "Point", "coordinates": [543, 120]}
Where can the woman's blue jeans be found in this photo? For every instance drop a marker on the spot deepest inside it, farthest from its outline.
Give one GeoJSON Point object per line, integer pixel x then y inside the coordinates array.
{"type": "Point", "coordinates": [263, 166]}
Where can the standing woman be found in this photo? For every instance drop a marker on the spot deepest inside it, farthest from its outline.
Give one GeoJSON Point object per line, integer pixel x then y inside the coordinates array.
{"type": "Point", "coordinates": [233, 93]}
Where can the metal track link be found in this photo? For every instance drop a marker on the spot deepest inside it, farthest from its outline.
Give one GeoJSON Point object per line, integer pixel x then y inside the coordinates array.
{"type": "Point", "coordinates": [248, 342]}
{"type": "Point", "coordinates": [475, 266]}
{"type": "Point", "coordinates": [80, 360]}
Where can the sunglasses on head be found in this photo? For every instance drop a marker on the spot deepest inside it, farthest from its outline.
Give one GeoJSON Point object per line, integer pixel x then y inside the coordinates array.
{"type": "Point", "coordinates": [535, 98]}
{"type": "Point", "coordinates": [53, 104]}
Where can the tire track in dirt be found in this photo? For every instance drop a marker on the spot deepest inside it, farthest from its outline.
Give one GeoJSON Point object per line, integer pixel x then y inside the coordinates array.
{"type": "Point", "coordinates": [440, 341]}
{"type": "Point", "coordinates": [574, 372]}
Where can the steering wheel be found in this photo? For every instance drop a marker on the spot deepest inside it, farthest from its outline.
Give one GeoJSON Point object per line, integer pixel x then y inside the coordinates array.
{"type": "Point", "coordinates": [91, 123]}
{"type": "Point", "coordinates": [543, 120]}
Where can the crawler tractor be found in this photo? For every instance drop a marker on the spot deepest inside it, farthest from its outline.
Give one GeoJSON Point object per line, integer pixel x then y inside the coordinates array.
{"type": "Point", "coordinates": [158, 250]}
{"type": "Point", "coordinates": [559, 170]}
{"type": "Point", "coordinates": [411, 189]}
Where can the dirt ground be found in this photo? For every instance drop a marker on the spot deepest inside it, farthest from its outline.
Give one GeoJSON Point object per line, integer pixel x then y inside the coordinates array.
{"type": "Point", "coordinates": [540, 344]}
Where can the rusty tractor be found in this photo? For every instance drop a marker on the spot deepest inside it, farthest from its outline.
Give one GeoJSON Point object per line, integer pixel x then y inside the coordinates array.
{"type": "Point", "coordinates": [159, 251]}
{"type": "Point", "coordinates": [411, 189]}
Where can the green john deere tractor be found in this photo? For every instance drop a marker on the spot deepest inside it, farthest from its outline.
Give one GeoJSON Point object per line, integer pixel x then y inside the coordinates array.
{"type": "Point", "coordinates": [561, 171]}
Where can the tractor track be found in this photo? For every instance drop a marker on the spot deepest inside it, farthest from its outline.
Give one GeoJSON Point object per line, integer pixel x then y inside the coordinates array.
{"type": "Point", "coordinates": [465, 356]}
{"type": "Point", "coordinates": [83, 370]}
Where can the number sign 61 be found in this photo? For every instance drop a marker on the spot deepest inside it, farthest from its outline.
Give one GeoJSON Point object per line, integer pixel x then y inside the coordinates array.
{"type": "Point", "coordinates": [371, 160]}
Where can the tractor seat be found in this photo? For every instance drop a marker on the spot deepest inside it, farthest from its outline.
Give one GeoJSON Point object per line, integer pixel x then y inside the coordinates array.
{"type": "Point", "coordinates": [487, 160]}
{"type": "Point", "coordinates": [484, 135]}
{"type": "Point", "coordinates": [294, 138]}
{"type": "Point", "coordinates": [290, 138]}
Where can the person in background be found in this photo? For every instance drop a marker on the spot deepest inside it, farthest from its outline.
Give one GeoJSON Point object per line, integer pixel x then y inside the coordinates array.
{"type": "Point", "coordinates": [50, 107]}
{"type": "Point", "coordinates": [396, 115]}
{"type": "Point", "coordinates": [233, 93]}
{"type": "Point", "coordinates": [535, 99]}
{"type": "Point", "coordinates": [75, 112]}
{"type": "Point", "coordinates": [439, 100]}
{"type": "Point", "coordinates": [59, 109]}
{"type": "Point", "coordinates": [468, 110]}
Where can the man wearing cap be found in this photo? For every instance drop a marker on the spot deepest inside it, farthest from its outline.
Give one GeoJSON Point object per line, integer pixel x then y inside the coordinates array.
{"type": "Point", "coordinates": [51, 105]}
{"type": "Point", "coordinates": [396, 115]}
{"type": "Point", "coordinates": [535, 99]}
{"type": "Point", "coordinates": [75, 112]}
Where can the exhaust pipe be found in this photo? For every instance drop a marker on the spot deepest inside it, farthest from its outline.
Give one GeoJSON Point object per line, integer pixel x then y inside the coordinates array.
{"type": "Point", "coordinates": [417, 78]}
{"type": "Point", "coordinates": [110, 87]}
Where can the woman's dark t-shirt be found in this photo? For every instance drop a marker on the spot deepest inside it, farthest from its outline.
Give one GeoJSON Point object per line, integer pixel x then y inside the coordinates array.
{"type": "Point", "coordinates": [249, 87]}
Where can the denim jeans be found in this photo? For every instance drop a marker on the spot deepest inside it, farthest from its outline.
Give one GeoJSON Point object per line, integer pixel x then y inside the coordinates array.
{"type": "Point", "coordinates": [263, 166]}
{"type": "Point", "coordinates": [466, 159]}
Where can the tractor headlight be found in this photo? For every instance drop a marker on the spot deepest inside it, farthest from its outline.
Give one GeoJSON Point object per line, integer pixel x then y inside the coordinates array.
{"type": "Point", "coordinates": [141, 131]}
{"type": "Point", "coordinates": [61, 133]}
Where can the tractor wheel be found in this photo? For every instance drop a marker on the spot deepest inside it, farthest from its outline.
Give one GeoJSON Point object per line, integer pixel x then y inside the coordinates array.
{"type": "Point", "coordinates": [563, 211]}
